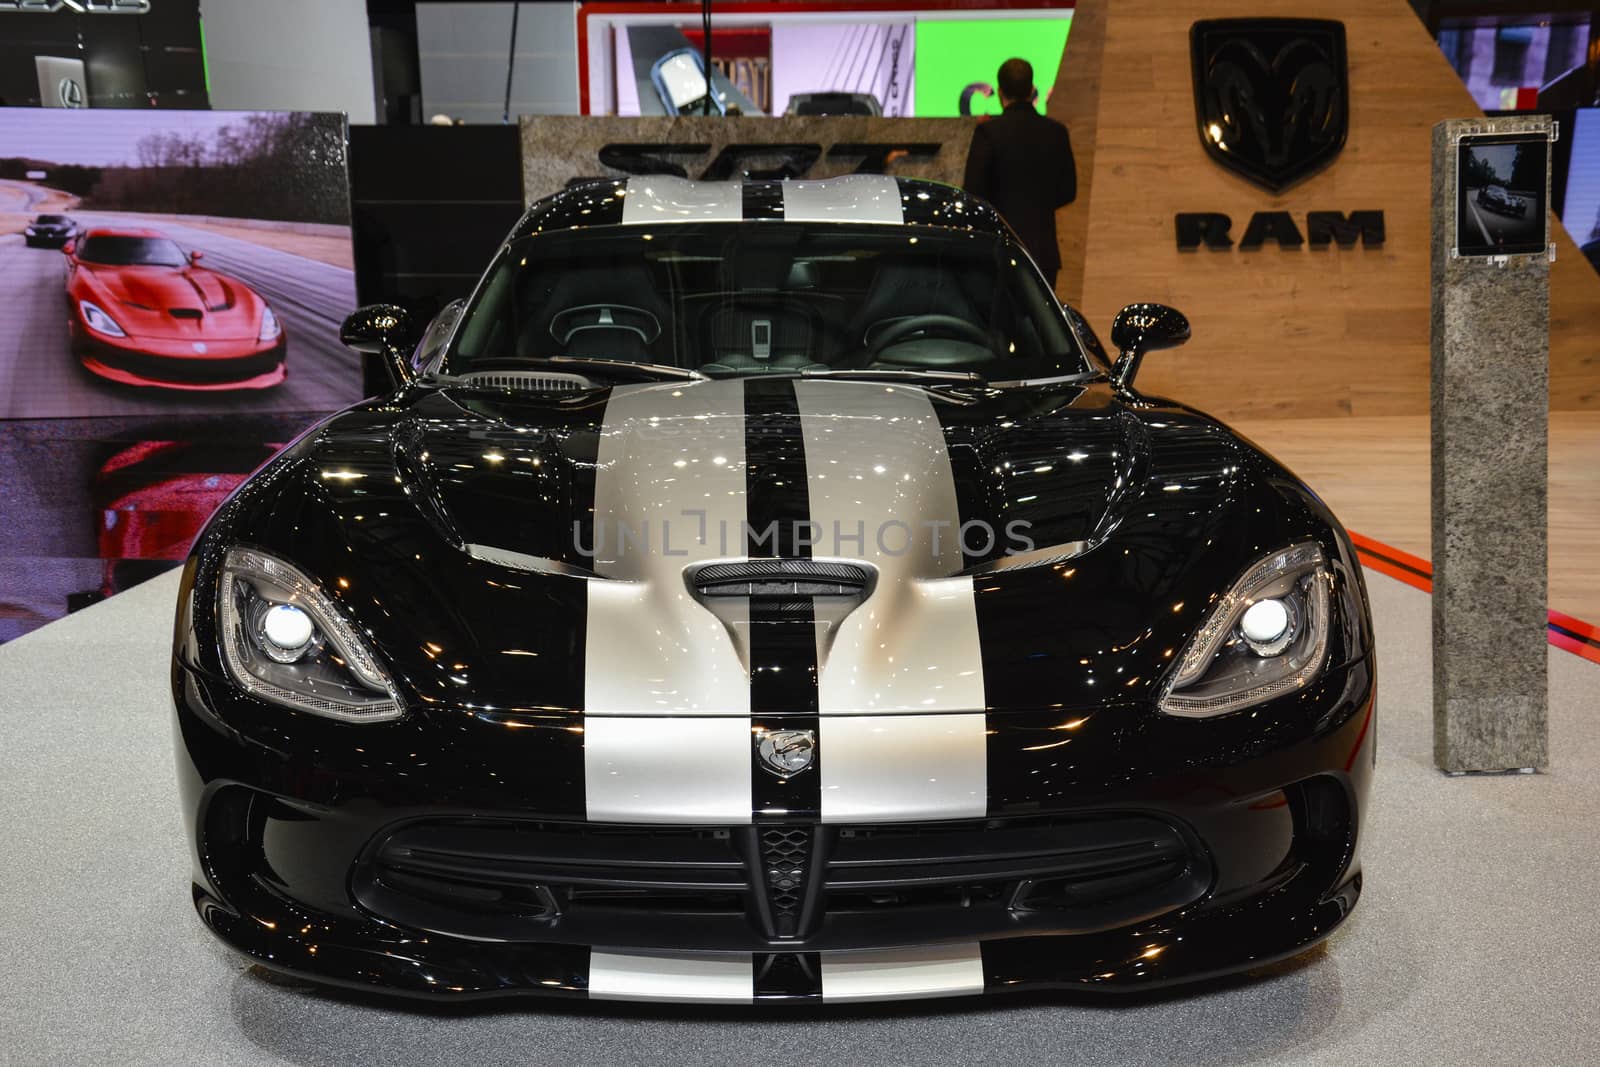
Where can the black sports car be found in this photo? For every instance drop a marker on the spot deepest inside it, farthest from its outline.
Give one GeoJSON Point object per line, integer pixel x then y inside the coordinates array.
{"type": "Point", "coordinates": [1496, 198]}
{"type": "Point", "coordinates": [48, 231]}
{"type": "Point", "coordinates": [768, 591]}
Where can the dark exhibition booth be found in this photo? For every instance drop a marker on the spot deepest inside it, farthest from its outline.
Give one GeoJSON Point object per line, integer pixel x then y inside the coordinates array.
{"type": "Point", "coordinates": [637, 532]}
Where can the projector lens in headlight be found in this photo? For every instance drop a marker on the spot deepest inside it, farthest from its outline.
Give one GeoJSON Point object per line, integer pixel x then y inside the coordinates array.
{"type": "Point", "coordinates": [286, 632]}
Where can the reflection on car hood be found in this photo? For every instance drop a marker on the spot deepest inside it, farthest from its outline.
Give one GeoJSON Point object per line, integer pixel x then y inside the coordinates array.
{"type": "Point", "coordinates": [466, 529]}
{"type": "Point", "coordinates": [657, 452]}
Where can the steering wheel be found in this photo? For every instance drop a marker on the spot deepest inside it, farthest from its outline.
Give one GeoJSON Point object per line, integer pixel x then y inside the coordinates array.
{"type": "Point", "coordinates": [947, 325]}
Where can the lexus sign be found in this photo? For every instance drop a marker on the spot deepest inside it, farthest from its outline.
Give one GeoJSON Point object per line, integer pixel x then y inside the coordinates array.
{"type": "Point", "coordinates": [77, 7]}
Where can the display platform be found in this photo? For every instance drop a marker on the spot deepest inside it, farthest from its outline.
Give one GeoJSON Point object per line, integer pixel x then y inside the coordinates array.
{"type": "Point", "coordinates": [1472, 942]}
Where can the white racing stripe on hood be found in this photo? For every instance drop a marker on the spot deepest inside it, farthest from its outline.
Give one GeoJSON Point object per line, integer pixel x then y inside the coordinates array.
{"type": "Point", "coordinates": [877, 464]}
{"type": "Point", "coordinates": [666, 199]}
{"type": "Point", "coordinates": [851, 198]}
{"type": "Point", "coordinates": [652, 652]}
{"type": "Point", "coordinates": [666, 451]}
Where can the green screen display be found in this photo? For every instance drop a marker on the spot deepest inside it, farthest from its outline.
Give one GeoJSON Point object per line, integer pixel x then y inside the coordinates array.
{"type": "Point", "coordinates": [954, 54]}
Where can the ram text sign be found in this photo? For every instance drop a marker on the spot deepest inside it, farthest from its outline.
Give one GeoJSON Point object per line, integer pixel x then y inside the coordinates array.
{"type": "Point", "coordinates": [557, 149]}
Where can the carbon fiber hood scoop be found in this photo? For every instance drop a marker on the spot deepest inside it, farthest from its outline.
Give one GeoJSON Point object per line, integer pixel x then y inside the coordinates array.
{"type": "Point", "coordinates": [781, 579]}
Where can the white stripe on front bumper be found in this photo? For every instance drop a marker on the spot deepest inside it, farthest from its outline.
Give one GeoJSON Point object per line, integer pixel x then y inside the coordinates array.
{"type": "Point", "coordinates": [904, 768]}
{"type": "Point", "coordinates": [683, 979]}
{"type": "Point", "coordinates": [653, 769]}
{"type": "Point", "coordinates": [902, 974]}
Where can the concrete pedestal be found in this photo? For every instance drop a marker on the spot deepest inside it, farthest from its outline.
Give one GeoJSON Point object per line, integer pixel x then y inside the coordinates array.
{"type": "Point", "coordinates": [1490, 406]}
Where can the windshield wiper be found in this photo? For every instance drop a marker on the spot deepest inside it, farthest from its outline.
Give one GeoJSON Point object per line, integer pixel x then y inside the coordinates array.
{"type": "Point", "coordinates": [579, 364]}
{"type": "Point", "coordinates": [1053, 379]}
{"type": "Point", "coordinates": [898, 374]}
{"type": "Point", "coordinates": [651, 370]}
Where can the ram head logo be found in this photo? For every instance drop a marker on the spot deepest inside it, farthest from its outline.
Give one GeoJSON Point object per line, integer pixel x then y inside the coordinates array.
{"type": "Point", "coordinates": [1271, 95]}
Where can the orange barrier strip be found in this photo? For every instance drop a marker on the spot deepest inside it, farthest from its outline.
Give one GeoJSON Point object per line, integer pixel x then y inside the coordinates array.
{"type": "Point", "coordinates": [1563, 631]}
{"type": "Point", "coordinates": [1395, 555]}
{"type": "Point", "coordinates": [1575, 646]}
{"type": "Point", "coordinates": [1577, 626]}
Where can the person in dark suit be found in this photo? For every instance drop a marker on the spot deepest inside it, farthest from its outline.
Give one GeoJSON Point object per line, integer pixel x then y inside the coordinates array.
{"type": "Point", "coordinates": [1021, 162]}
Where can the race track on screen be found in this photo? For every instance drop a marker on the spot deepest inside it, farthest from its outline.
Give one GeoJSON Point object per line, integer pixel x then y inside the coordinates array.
{"type": "Point", "coordinates": [40, 378]}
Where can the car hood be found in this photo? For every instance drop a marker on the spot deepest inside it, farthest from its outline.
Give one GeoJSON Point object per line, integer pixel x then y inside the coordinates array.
{"type": "Point", "coordinates": [467, 532]}
{"type": "Point", "coordinates": [691, 465]}
{"type": "Point", "coordinates": [176, 301]}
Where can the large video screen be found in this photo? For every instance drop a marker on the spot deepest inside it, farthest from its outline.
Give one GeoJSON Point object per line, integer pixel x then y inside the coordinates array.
{"type": "Point", "coordinates": [162, 261]}
{"type": "Point", "coordinates": [957, 60]}
{"type": "Point", "coordinates": [938, 61]}
{"type": "Point", "coordinates": [1581, 211]}
{"type": "Point", "coordinates": [174, 283]}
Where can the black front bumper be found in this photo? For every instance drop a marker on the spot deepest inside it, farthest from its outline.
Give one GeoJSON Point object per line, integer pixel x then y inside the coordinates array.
{"type": "Point", "coordinates": [431, 858]}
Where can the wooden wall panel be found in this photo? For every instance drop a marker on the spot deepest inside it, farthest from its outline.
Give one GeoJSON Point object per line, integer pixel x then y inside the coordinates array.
{"type": "Point", "coordinates": [1278, 332]}
{"type": "Point", "coordinates": [1075, 100]}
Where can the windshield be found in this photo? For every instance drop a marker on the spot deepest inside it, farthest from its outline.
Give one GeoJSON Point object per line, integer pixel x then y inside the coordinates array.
{"type": "Point", "coordinates": [49, 220]}
{"type": "Point", "coordinates": [132, 252]}
{"type": "Point", "coordinates": [736, 299]}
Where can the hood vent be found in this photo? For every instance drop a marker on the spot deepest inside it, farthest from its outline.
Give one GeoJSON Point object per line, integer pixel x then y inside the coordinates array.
{"type": "Point", "coordinates": [521, 381]}
{"type": "Point", "coordinates": [782, 579]}
{"type": "Point", "coordinates": [812, 592]}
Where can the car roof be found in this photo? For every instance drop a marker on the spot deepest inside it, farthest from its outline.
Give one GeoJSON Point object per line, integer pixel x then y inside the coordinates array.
{"type": "Point", "coordinates": [847, 199]}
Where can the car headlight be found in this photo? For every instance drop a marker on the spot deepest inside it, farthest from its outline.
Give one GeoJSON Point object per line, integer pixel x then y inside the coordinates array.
{"type": "Point", "coordinates": [98, 321]}
{"type": "Point", "coordinates": [269, 325]}
{"type": "Point", "coordinates": [285, 641]}
{"type": "Point", "coordinates": [1267, 636]}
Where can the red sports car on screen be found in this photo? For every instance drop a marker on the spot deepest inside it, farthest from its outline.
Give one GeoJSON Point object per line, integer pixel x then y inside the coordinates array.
{"type": "Point", "coordinates": [143, 312]}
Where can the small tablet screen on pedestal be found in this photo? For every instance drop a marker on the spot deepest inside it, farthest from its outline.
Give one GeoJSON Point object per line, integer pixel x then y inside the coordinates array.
{"type": "Point", "coordinates": [1500, 194]}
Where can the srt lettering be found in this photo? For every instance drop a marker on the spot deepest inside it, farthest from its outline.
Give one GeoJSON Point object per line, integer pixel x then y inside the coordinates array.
{"type": "Point", "coordinates": [758, 161]}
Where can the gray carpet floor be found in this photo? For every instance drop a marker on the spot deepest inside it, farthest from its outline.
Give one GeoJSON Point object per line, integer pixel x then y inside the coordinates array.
{"type": "Point", "coordinates": [1475, 942]}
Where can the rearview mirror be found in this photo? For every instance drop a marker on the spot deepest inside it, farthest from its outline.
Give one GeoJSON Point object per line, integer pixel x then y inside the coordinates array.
{"type": "Point", "coordinates": [69, 248]}
{"type": "Point", "coordinates": [1141, 328]}
{"type": "Point", "coordinates": [380, 330]}
{"type": "Point", "coordinates": [196, 256]}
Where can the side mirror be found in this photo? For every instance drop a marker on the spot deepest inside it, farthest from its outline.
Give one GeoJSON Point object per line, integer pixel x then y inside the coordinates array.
{"type": "Point", "coordinates": [1141, 328]}
{"type": "Point", "coordinates": [380, 330]}
{"type": "Point", "coordinates": [69, 248]}
{"type": "Point", "coordinates": [196, 256]}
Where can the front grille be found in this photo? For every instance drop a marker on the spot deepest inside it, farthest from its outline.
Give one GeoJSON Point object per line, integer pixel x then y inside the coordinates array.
{"type": "Point", "coordinates": [807, 886]}
{"type": "Point", "coordinates": [785, 859]}
{"type": "Point", "coordinates": [198, 370]}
